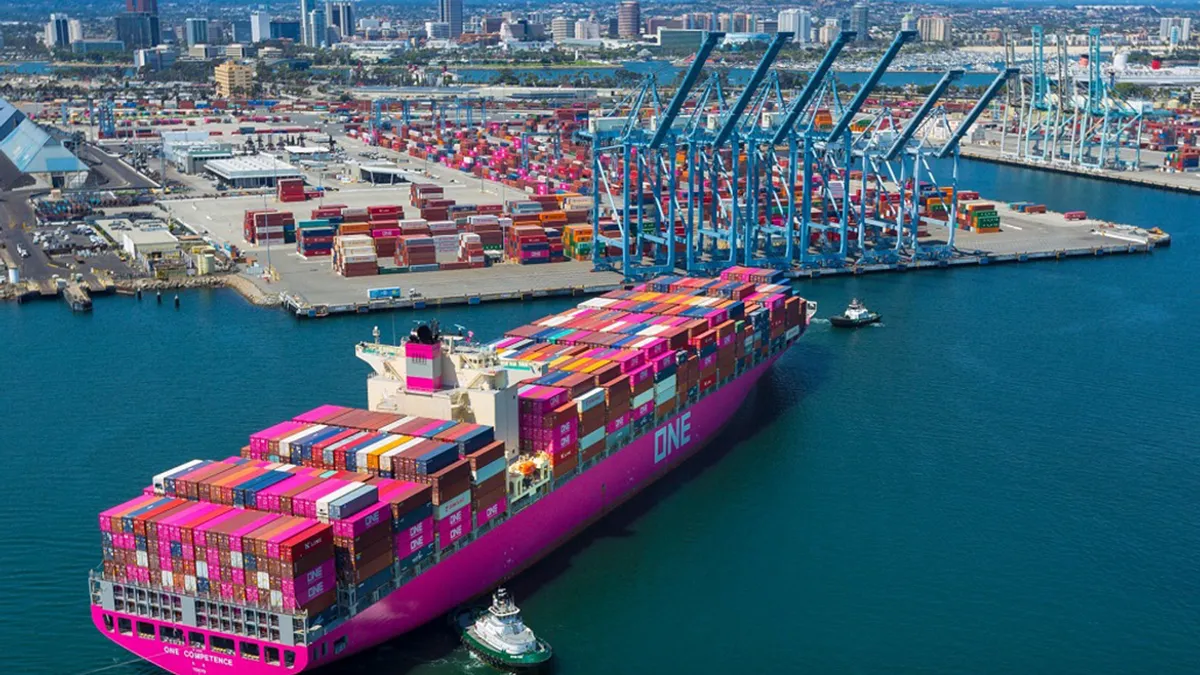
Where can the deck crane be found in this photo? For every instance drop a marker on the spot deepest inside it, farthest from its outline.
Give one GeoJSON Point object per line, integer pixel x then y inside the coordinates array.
{"type": "Point", "coordinates": [626, 145]}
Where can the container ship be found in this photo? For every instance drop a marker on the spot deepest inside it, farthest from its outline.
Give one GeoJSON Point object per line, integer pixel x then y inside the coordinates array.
{"type": "Point", "coordinates": [342, 528]}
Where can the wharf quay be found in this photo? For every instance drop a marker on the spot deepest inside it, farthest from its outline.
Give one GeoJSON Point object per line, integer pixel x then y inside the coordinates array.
{"type": "Point", "coordinates": [1187, 183]}
{"type": "Point", "coordinates": [1023, 237]}
{"type": "Point", "coordinates": [506, 282]}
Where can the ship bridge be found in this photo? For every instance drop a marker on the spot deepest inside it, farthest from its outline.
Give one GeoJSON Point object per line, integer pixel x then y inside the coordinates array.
{"type": "Point", "coordinates": [446, 377]}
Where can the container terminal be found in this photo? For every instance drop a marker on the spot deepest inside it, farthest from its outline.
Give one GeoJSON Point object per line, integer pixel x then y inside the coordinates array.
{"type": "Point", "coordinates": [342, 528]}
{"type": "Point", "coordinates": [413, 200]}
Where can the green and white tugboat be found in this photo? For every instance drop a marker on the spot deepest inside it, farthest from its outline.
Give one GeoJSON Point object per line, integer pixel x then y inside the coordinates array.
{"type": "Point", "coordinates": [499, 636]}
{"type": "Point", "coordinates": [856, 315]}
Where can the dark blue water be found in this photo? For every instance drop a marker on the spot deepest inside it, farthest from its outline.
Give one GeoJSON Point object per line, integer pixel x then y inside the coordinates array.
{"type": "Point", "coordinates": [999, 479]}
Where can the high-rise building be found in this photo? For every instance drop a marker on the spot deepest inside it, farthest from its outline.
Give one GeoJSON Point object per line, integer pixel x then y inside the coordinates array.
{"type": "Point", "coordinates": [934, 28]}
{"type": "Point", "coordinates": [144, 27]}
{"type": "Point", "coordinates": [740, 22]}
{"type": "Point", "coordinates": [699, 21]}
{"type": "Point", "coordinates": [157, 58]}
{"type": "Point", "coordinates": [1174, 29]}
{"type": "Point", "coordinates": [830, 30]}
{"type": "Point", "coordinates": [305, 31]}
{"type": "Point", "coordinates": [341, 17]}
{"type": "Point", "coordinates": [240, 32]}
{"type": "Point", "coordinates": [491, 24]}
{"type": "Point", "coordinates": [587, 29]}
{"type": "Point", "coordinates": [859, 22]}
{"type": "Point", "coordinates": [908, 22]}
{"type": "Point", "coordinates": [58, 31]}
{"type": "Point", "coordinates": [318, 27]}
{"type": "Point", "coordinates": [450, 11]}
{"type": "Point", "coordinates": [233, 79]}
{"type": "Point", "coordinates": [437, 30]}
{"type": "Point", "coordinates": [75, 29]}
{"type": "Point", "coordinates": [286, 29]}
{"type": "Point", "coordinates": [629, 19]}
{"type": "Point", "coordinates": [767, 26]}
{"type": "Point", "coordinates": [138, 30]}
{"type": "Point", "coordinates": [561, 28]}
{"type": "Point", "coordinates": [798, 22]}
{"type": "Point", "coordinates": [196, 31]}
{"type": "Point", "coordinates": [260, 27]}
{"type": "Point", "coordinates": [147, 6]}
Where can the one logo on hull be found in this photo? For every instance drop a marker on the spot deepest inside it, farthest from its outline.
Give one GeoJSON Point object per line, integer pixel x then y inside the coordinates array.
{"type": "Point", "coordinates": [674, 435]}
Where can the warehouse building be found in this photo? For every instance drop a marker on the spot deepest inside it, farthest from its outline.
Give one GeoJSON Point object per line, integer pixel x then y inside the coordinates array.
{"type": "Point", "coordinates": [189, 151]}
{"type": "Point", "coordinates": [252, 171]}
{"type": "Point", "coordinates": [35, 153]}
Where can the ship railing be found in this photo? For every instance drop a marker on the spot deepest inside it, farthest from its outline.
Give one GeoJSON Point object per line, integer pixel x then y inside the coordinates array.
{"type": "Point", "coordinates": [197, 611]}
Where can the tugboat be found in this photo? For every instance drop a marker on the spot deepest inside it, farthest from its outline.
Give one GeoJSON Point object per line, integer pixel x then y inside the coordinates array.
{"type": "Point", "coordinates": [501, 638]}
{"type": "Point", "coordinates": [855, 316]}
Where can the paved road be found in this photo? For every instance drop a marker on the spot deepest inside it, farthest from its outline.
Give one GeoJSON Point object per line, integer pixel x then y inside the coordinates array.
{"type": "Point", "coordinates": [15, 213]}
{"type": "Point", "coordinates": [118, 174]}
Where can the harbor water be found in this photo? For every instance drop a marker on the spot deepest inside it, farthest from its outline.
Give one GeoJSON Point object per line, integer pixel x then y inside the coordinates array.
{"type": "Point", "coordinates": [999, 478]}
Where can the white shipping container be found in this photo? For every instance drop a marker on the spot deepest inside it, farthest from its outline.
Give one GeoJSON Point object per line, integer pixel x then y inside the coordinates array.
{"type": "Point", "coordinates": [398, 423]}
{"type": "Point", "coordinates": [142, 560]}
{"type": "Point", "coordinates": [359, 258]}
{"type": "Point", "coordinates": [189, 583]}
{"type": "Point", "coordinates": [590, 400]}
{"type": "Point", "coordinates": [452, 505]}
{"type": "Point", "coordinates": [168, 579]}
{"type": "Point", "coordinates": [490, 470]}
{"type": "Point", "coordinates": [323, 502]}
{"type": "Point", "coordinates": [264, 581]}
{"type": "Point", "coordinates": [277, 599]}
{"type": "Point", "coordinates": [663, 397]}
{"type": "Point", "coordinates": [592, 438]}
{"type": "Point", "coordinates": [235, 560]}
{"type": "Point", "coordinates": [651, 331]}
{"type": "Point", "coordinates": [666, 385]}
{"type": "Point", "coordinates": [160, 479]}
{"type": "Point", "coordinates": [446, 257]}
{"type": "Point", "coordinates": [643, 398]}
{"type": "Point", "coordinates": [202, 569]}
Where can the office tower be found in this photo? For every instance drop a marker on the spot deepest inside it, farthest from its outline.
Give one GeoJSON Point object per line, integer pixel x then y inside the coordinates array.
{"type": "Point", "coordinates": [629, 19]}
{"type": "Point", "coordinates": [450, 11]}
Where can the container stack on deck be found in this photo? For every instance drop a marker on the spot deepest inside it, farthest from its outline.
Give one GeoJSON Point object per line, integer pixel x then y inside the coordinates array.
{"type": "Point", "coordinates": [286, 525]}
{"type": "Point", "coordinates": [623, 360]}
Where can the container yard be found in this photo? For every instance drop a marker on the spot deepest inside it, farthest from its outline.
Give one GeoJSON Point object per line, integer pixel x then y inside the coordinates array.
{"type": "Point", "coordinates": [507, 199]}
{"type": "Point", "coordinates": [341, 528]}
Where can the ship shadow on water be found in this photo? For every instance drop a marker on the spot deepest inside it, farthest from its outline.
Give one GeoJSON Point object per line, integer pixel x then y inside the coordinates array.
{"type": "Point", "coordinates": [436, 647]}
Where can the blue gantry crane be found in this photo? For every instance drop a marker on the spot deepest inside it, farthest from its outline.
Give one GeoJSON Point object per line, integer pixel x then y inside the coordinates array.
{"type": "Point", "coordinates": [701, 184]}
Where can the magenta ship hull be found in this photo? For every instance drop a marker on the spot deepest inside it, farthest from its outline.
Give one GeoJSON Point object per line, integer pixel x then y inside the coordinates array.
{"type": "Point", "coordinates": [495, 556]}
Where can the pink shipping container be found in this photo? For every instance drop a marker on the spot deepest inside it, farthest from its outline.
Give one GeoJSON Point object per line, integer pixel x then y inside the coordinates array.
{"type": "Point", "coordinates": [454, 527]}
{"type": "Point", "coordinates": [362, 521]}
{"type": "Point", "coordinates": [485, 516]}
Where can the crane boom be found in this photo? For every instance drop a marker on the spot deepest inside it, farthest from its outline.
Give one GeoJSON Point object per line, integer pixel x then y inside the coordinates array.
{"type": "Point", "coordinates": [927, 107]}
{"type": "Point", "coordinates": [993, 90]}
{"type": "Point", "coordinates": [796, 107]}
{"type": "Point", "coordinates": [743, 100]}
{"type": "Point", "coordinates": [864, 91]}
{"type": "Point", "coordinates": [685, 88]}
